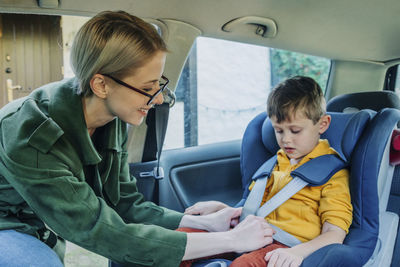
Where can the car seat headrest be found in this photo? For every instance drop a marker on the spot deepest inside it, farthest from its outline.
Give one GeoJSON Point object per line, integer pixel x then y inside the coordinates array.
{"type": "Point", "coordinates": [268, 137]}
{"type": "Point", "coordinates": [345, 130]}
{"type": "Point", "coordinates": [343, 133]}
{"type": "Point", "coordinates": [375, 100]}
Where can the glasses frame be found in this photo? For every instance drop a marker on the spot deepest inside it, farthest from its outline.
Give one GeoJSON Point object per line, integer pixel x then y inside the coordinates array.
{"type": "Point", "coordinates": [152, 97]}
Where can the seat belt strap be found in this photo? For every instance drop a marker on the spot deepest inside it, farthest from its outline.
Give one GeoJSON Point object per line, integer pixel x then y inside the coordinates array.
{"type": "Point", "coordinates": [284, 237]}
{"type": "Point", "coordinates": [255, 196]}
{"type": "Point", "coordinates": [254, 199]}
{"type": "Point", "coordinates": [284, 194]}
{"type": "Point", "coordinates": [161, 122]}
{"type": "Point", "coordinates": [302, 176]}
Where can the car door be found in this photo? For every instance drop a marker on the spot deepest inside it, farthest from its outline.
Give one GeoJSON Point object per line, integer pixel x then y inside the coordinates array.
{"type": "Point", "coordinates": [209, 172]}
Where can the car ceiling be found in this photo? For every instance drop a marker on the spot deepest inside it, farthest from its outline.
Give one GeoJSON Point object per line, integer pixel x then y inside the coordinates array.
{"type": "Point", "coordinates": [359, 30]}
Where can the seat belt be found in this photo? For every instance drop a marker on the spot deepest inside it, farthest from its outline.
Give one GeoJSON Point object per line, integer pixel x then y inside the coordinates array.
{"type": "Point", "coordinates": [157, 121]}
{"type": "Point", "coordinates": [161, 121]}
{"type": "Point", "coordinates": [162, 113]}
{"type": "Point", "coordinates": [161, 117]}
{"type": "Point", "coordinates": [306, 174]}
{"type": "Point", "coordinates": [254, 198]}
{"type": "Point", "coordinates": [279, 198]}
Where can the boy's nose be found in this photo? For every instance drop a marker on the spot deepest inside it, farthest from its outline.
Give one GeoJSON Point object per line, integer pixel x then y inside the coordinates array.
{"type": "Point", "coordinates": [285, 138]}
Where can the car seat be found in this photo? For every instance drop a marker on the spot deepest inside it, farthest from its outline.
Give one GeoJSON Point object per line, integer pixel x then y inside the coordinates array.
{"type": "Point", "coordinates": [363, 139]}
{"type": "Point", "coordinates": [375, 100]}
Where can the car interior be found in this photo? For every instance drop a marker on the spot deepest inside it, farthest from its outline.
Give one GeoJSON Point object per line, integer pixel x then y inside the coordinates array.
{"type": "Point", "coordinates": [351, 48]}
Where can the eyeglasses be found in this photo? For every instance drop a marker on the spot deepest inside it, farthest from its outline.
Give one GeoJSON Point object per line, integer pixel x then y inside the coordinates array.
{"type": "Point", "coordinates": [163, 85]}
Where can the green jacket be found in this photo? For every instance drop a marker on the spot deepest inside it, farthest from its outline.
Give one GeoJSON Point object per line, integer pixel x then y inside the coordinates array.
{"type": "Point", "coordinates": [52, 172]}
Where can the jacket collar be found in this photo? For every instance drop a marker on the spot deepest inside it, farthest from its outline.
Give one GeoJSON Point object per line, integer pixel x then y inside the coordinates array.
{"type": "Point", "coordinates": [66, 109]}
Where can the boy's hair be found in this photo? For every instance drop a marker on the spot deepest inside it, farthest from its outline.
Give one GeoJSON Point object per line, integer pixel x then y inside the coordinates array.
{"type": "Point", "coordinates": [297, 93]}
{"type": "Point", "coordinates": [114, 43]}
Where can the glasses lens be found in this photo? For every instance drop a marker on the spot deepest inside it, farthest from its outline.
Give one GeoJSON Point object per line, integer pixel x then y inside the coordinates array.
{"type": "Point", "coordinates": [169, 97]}
{"type": "Point", "coordinates": [163, 85]}
{"type": "Point", "coordinates": [163, 82]}
{"type": "Point", "coordinates": [154, 97]}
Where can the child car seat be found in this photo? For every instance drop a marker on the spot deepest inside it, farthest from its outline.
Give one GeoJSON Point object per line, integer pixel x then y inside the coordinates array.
{"type": "Point", "coordinates": [369, 167]}
{"type": "Point", "coordinates": [375, 100]}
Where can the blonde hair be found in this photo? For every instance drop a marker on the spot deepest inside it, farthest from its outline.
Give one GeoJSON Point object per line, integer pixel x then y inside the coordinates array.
{"type": "Point", "coordinates": [112, 42]}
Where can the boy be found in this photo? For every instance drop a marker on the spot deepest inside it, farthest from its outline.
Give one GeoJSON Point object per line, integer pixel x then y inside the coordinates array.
{"type": "Point", "coordinates": [317, 216]}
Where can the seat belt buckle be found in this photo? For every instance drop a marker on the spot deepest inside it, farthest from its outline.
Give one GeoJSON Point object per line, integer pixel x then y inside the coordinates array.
{"type": "Point", "coordinates": [157, 173]}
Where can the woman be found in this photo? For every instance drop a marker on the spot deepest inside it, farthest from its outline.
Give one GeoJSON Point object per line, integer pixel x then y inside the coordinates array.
{"type": "Point", "coordinates": [63, 166]}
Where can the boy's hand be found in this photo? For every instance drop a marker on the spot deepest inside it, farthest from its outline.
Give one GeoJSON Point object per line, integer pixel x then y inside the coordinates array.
{"type": "Point", "coordinates": [205, 207]}
{"type": "Point", "coordinates": [283, 257]}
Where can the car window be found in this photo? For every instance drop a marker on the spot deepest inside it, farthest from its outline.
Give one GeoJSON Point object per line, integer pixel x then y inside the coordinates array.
{"type": "Point", "coordinates": [224, 84]}
{"type": "Point", "coordinates": [397, 81]}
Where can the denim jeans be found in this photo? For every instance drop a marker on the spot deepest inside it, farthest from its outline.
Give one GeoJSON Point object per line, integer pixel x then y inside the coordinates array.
{"type": "Point", "coordinates": [22, 250]}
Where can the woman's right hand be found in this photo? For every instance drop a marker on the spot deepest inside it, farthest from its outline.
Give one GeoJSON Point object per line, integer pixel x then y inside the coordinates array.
{"type": "Point", "coordinates": [251, 234]}
{"type": "Point", "coordinates": [205, 207]}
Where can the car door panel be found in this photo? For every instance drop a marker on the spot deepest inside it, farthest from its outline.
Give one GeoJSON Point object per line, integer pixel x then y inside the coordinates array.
{"type": "Point", "coordinates": [147, 184]}
{"type": "Point", "coordinates": [216, 180]}
{"type": "Point", "coordinates": [208, 172]}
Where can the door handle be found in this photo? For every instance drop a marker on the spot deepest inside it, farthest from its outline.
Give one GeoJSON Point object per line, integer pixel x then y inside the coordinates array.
{"type": "Point", "coordinates": [264, 27]}
{"type": "Point", "coordinates": [10, 88]}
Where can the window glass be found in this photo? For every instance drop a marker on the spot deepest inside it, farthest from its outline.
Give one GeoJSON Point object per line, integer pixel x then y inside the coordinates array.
{"type": "Point", "coordinates": [225, 84]}
{"type": "Point", "coordinates": [397, 82]}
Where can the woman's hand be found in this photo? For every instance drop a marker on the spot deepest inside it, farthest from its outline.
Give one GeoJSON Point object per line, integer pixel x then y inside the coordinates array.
{"type": "Point", "coordinates": [222, 220]}
{"type": "Point", "coordinates": [251, 234]}
{"type": "Point", "coordinates": [219, 221]}
{"type": "Point", "coordinates": [283, 257]}
{"type": "Point", "coordinates": [205, 207]}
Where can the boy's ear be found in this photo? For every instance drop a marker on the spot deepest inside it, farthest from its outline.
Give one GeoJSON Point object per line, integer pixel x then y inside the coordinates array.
{"type": "Point", "coordinates": [98, 85]}
{"type": "Point", "coordinates": [324, 123]}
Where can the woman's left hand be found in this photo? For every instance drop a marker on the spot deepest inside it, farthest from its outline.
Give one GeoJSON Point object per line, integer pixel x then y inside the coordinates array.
{"type": "Point", "coordinates": [222, 220]}
{"type": "Point", "coordinates": [205, 207]}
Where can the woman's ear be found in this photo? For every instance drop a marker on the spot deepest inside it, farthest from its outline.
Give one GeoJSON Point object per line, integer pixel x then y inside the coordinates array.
{"type": "Point", "coordinates": [324, 123]}
{"type": "Point", "coordinates": [98, 85]}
